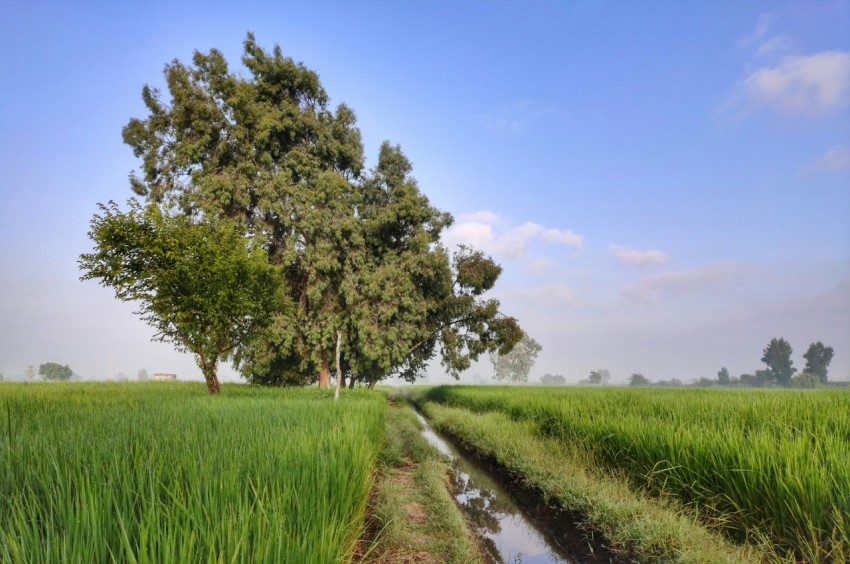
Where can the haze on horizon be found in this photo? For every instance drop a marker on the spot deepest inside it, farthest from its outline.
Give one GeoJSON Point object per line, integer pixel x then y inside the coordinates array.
{"type": "Point", "coordinates": [667, 186]}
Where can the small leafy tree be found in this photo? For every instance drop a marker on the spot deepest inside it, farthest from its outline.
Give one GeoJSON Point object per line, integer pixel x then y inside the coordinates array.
{"type": "Point", "coordinates": [515, 365]}
{"type": "Point", "coordinates": [599, 377]}
{"type": "Point", "coordinates": [142, 375]}
{"type": "Point", "coordinates": [638, 379]}
{"type": "Point", "coordinates": [55, 372]}
{"type": "Point", "coordinates": [777, 357]}
{"type": "Point", "coordinates": [723, 377]}
{"type": "Point", "coordinates": [200, 283]}
{"type": "Point", "coordinates": [553, 380]}
{"type": "Point", "coordinates": [818, 358]}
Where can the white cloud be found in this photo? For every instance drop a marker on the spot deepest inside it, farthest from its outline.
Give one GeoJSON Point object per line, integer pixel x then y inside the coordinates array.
{"type": "Point", "coordinates": [774, 44]}
{"type": "Point", "coordinates": [565, 237]}
{"type": "Point", "coordinates": [678, 282]}
{"type": "Point", "coordinates": [483, 216]}
{"type": "Point", "coordinates": [811, 85]}
{"type": "Point", "coordinates": [491, 233]}
{"type": "Point", "coordinates": [636, 258]}
{"type": "Point", "coordinates": [551, 295]}
{"type": "Point", "coordinates": [835, 159]}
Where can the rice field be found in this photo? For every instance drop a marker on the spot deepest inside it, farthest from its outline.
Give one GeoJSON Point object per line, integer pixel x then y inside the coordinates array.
{"type": "Point", "coordinates": [161, 472]}
{"type": "Point", "coordinates": [762, 465]}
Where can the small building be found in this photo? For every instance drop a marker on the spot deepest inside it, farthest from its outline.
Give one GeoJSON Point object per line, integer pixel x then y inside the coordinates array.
{"type": "Point", "coordinates": [164, 377]}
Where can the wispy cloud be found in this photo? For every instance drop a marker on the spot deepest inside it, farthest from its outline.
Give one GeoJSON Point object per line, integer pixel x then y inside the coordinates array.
{"type": "Point", "coordinates": [808, 85]}
{"type": "Point", "coordinates": [651, 287]}
{"type": "Point", "coordinates": [492, 233]}
{"type": "Point", "coordinates": [636, 258]}
{"type": "Point", "coordinates": [556, 295]}
{"type": "Point", "coordinates": [498, 123]}
{"type": "Point", "coordinates": [518, 117]}
{"type": "Point", "coordinates": [774, 45]}
{"type": "Point", "coordinates": [763, 25]}
{"type": "Point", "coordinates": [834, 160]}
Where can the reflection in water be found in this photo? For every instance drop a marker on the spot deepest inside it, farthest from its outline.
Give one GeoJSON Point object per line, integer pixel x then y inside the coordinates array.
{"type": "Point", "coordinates": [507, 534]}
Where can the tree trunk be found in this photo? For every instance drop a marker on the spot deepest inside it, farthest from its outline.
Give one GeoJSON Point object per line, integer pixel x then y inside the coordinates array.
{"type": "Point", "coordinates": [339, 382]}
{"type": "Point", "coordinates": [351, 382]}
{"type": "Point", "coordinates": [324, 374]}
{"type": "Point", "coordinates": [210, 371]}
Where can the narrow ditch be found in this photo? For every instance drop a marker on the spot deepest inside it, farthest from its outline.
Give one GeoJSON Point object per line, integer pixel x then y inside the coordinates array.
{"type": "Point", "coordinates": [514, 526]}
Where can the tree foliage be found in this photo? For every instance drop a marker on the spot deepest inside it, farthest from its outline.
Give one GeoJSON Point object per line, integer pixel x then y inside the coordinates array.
{"type": "Point", "coordinates": [553, 380]}
{"type": "Point", "coordinates": [638, 379]}
{"type": "Point", "coordinates": [777, 357]}
{"type": "Point", "coordinates": [515, 365]}
{"type": "Point", "coordinates": [359, 252]}
{"type": "Point", "coordinates": [818, 358]}
{"type": "Point", "coordinates": [723, 376]}
{"type": "Point", "coordinates": [199, 283]}
{"type": "Point", "coordinates": [599, 377]}
{"type": "Point", "coordinates": [55, 372]}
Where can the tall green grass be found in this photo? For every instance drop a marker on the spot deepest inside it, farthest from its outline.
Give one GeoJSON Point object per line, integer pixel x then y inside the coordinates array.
{"type": "Point", "coordinates": [163, 473]}
{"type": "Point", "coordinates": [756, 463]}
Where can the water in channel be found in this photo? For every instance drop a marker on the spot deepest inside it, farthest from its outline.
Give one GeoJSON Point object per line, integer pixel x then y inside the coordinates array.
{"type": "Point", "coordinates": [507, 533]}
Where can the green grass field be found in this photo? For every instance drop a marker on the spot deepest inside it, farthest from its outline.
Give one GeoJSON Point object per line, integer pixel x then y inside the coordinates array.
{"type": "Point", "coordinates": [164, 473]}
{"type": "Point", "coordinates": [762, 465]}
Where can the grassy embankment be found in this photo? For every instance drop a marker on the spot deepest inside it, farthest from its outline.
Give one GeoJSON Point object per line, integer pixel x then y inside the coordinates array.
{"type": "Point", "coordinates": [163, 473]}
{"type": "Point", "coordinates": [764, 466]}
{"type": "Point", "coordinates": [413, 518]}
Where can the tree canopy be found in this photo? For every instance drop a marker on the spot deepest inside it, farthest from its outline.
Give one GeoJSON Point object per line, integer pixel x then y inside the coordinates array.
{"type": "Point", "coordinates": [55, 372]}
{"type": "Point", "coordinates": [818, 358]}
{"type": "Point", "coordinates": [777, 357]}
{"type": "Point", "coordinates": [515, 365]}
{"type": "Point", "coordinates": [200, 283]}
{"type": "Point", "coordinates": [358, 252]}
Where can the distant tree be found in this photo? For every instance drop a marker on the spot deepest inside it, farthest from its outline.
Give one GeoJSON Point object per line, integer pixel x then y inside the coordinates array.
{"type": "Point", "coordinates": [672, 383]}
{"type": "Point", "coordinates": [1, 376]}
{"type": "Point", "coordinates": [704, 383]}
{"type": "Point", "coordinates": [777, 357]}
{"type": "Point", "coordinates": [806, 380]}
{"type": "Point", "coordinates": [818, 358]}
{"type": "Point", "coordinates": [515, 365]}
{"type": "Point", "coordinates": [142, 375]}
{"type": "Point", "coordinates": [199, 282]}
{"type": "Point", "coordinates": [54, 371]}
{"type": "Point", "coordinates": [638, 379]}
{"type": "Point", "coordinates": [553, 380]}
{"type": "Point", "coordinates": [763, 378]}
{"type": "Point", "coordinates": [599, 377]}
{"type": "Point", "coordinates": [29, 373]}
{"type": "Point", "coordinates": [723, 377]}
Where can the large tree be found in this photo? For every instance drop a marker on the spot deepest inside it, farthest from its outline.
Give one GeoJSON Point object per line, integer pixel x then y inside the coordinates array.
{"type": "Point", "coordinates": [359, 253]}
{"type": "Point", "coordinates": [514, 366]}
{"type": "Point", "coordinates": [55, 372]}
{"type": "Point", "coordinates": [818, 358]}
{"type": "Point", "coordinates": [200, 283]}
{"type": "Point", "coordinates": [777, 357]}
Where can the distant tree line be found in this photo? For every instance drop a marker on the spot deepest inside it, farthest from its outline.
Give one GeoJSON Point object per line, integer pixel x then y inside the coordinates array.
{"type": "Point", "coordinates": [779, 371]}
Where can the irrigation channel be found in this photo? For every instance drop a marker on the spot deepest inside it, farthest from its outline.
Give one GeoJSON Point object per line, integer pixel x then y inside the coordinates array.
{"type": "Point", "coordinates": [512, 529]}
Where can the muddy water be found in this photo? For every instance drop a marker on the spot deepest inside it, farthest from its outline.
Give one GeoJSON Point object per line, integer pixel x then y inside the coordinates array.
{"type": "Point", "coordinates": [507, 532]}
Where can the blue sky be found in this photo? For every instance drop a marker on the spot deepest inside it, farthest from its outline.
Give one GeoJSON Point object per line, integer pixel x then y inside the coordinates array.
{"type": "Point", "coordinates": [666, 184]}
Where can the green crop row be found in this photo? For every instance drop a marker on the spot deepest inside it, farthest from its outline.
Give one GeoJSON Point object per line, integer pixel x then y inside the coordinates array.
{"type": "Point", "coordinates": [163, 473]}
{"type": "Point", "coordinates": [758, 464]}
